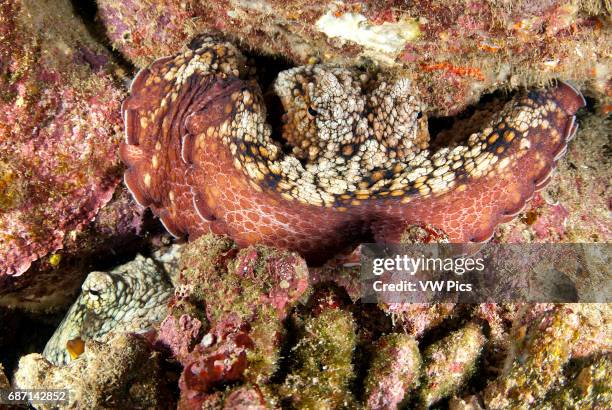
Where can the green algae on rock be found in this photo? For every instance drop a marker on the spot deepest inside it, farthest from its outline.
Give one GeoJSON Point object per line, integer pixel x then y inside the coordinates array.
{"type": "Point", "coordinates": [539, 350]}
{"type": "Point", "coordinates": [450, 362]}
{"type": "Point", "coordinates": [323, 369]}
{"type": "Point", "coordinates": [588, 387]}
{"type": "Point", "coordinates": [394, 372]}
{"type": "Point", "coordinates": [226, 319]}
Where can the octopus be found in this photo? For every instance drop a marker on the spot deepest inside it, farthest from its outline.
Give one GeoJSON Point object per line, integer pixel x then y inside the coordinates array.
{"type": "Point", "coordinates": [130, 298]}
{"type": "Point", "coordinates": [351, 159]}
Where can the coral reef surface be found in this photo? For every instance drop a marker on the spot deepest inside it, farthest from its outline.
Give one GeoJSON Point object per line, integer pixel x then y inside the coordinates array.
{"type": "Point", "coordinates": [247, 114]}
{"type": "Point", "coordinates": [59, 134]}
{"type": "Point", "coordinates": [456, 49]}
{"type": "Point", "coordinates": [123, 373]}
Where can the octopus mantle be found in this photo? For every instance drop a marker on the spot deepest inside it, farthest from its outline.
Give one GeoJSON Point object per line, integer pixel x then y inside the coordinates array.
{"type": "Point", "coordinates": [352, 159]}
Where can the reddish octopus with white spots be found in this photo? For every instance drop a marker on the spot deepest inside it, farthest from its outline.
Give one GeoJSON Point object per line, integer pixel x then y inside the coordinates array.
{"type": "Point", "coordinates": [353, 162]}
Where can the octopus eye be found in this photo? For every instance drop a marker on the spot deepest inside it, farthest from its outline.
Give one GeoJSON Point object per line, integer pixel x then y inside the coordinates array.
{"type": "Point", "coordinates": [94, 292]}
{"type": "Point", "coordinates": [419, 115]}
{"type": "Point", "coordinates": [312, 112]}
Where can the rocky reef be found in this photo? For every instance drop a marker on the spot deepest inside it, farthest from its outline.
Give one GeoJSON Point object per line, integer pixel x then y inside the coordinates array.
{"type": "Point", "coordinates": [457, 49]}
{"type": "Point", "coordinates": [124, 372]}
{"type": "Point", "coordinates": [211, 323]}
{"type": "Point", "coordinates": [60, 98]}
{"type": "Point", "coordinates": [247, 326]}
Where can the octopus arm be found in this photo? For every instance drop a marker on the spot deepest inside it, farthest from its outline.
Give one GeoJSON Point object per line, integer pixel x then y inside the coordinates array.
{"type": "Point", "coordinates": [161, 115]}
{"type": "Point", "coordinates": [472, 211]}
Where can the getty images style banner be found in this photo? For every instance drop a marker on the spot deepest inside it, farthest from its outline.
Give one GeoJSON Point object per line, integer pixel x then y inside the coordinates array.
{"type": "Point", "coordinates": [457, 273]}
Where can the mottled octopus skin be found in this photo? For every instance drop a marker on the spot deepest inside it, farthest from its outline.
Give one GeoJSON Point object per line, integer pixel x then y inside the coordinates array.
{"type": "Point", "coordinates": [130, 298]}
{"type": "Point", "coordinates": [355, 163]}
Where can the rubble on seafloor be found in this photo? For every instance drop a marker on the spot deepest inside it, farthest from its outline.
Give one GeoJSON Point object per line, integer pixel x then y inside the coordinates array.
{"type": "Point", "coordinates": [123, 373]}
{"type": "Point", "coordinates": [247, 326]}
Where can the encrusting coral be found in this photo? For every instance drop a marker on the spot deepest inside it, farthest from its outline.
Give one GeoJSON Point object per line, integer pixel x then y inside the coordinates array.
{"type": "Point", "coordinates": [588, 386]}
{"type": "Point", "coordinates": [543, 340]}
{"type": "Point", "coordinates": [458, 49]}
{"type": "Point", "coordinates": [59, 134]}
{"type": "Point", "coordinates": [245, 326]}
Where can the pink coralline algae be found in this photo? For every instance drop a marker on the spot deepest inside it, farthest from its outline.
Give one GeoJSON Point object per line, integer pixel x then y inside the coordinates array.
{"type": "Point", "coordinates": [459, 49]}
{"type": "Point", "coordinates": [129, 26]}
{"type": "Point", "coordinates": [59, 117]}
{"type": "Point", "coordinates": [395, 370]}
{"type": "Point", "coordinates": [225, 323]}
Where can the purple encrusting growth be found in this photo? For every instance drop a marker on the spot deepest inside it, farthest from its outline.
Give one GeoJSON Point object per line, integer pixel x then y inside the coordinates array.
{"type": "Point", "coordinates": [246, 294]}
{"type": "Point", "coordinates": [456, 49]}
{"type": "Point", "coordinates": [59, 123]}
{"type": "Point", "coordinates": [394, 372]}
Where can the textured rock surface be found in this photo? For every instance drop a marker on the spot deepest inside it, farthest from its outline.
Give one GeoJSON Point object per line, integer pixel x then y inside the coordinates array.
{"type": "Point", "coordinates": [59, 124]}
{"type": "Point", "coordinates": [588, 386]}
{"type": "Point", "coordinates": [323, 369]}
{"type": "Point", "coordinates": [543, 339]}
{"type": "Point", "coordinates": [228, 329]}
{"type": "Point", "coordinates": [225, 321]}
{"type": "Point", "coordinates": [395, 371]}
{"type": "Point", "coordinates": [121, 373]}
{"type": "Point", "coordinates": [450, 362]}
{"type": "Point", "coordinates": [4, 382]}
{"type": "Point", "coordinates": [457, 48]}
{"type": "Point", "coordinates": [53, 281]}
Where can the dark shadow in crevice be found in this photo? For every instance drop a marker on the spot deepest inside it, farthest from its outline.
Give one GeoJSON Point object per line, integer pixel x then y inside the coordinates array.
{"type": "Point", "coordinates": [87, 11]}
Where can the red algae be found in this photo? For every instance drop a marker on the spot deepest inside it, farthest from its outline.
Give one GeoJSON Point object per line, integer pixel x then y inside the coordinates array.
{"type": "Point", "coordinates": [59, 134]}
{"type": "Point", "coordinates": [457, 50]}
{"type": "Point", "coordinates": [395, 370]}
{"type": "Point", "coordinates": [225, 322]}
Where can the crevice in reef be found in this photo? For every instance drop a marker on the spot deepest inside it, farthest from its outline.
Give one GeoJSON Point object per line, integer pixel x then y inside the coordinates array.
{"type": "Point", "coordinates": [87, 11]}
{"type": "Point", "coordinates": [448, 131]}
